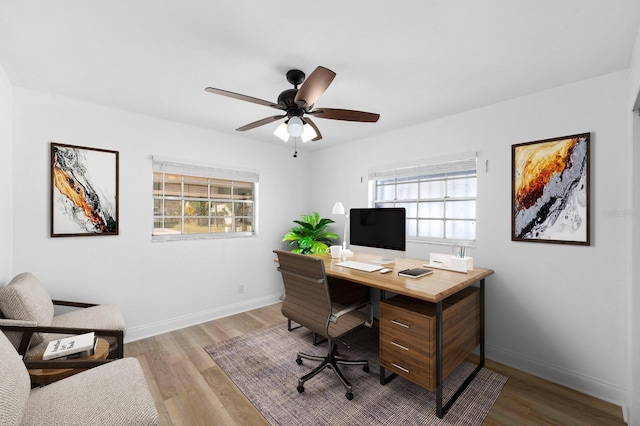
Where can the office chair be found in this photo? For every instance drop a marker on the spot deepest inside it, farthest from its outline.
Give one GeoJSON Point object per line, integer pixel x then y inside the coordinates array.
{"type": "Point", "coordinates": [308, 302]}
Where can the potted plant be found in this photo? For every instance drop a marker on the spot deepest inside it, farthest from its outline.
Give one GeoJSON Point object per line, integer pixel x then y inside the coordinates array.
{"type": "Point", "coordinates": [310, 235]}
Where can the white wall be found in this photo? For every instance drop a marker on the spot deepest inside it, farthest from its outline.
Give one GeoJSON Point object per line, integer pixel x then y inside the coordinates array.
{"type": "Point", "coordinates": [6, 164]}
{"type": "Point", "coordinates": [634, 299]}
{"type": "Point", "coordinates": [558, 311]}
{"type": "Point", "coordinates": [159, 286]}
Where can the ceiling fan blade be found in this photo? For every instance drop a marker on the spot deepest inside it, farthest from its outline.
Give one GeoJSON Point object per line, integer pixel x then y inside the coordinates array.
{"type": "Point", "coordinates": [345, 114]}
{"type": "Point", "coordinates": [243, 97]}
{"type": "Point", "coordinates": [314, 86]}
{"type": "Point", "coordinates": [312, 124]}
{"type": "Point", "coordinates": [260, 122]}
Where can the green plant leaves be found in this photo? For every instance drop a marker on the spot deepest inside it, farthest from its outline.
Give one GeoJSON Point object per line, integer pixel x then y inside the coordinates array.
{"type": "Point", "coordinates": [311, 235]}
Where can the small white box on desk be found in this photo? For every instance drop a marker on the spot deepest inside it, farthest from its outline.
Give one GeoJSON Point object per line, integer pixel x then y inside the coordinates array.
{"type": "Point", "coordinates": [449, 262]}
{"type": "Point", "coordinates": [462, 263]}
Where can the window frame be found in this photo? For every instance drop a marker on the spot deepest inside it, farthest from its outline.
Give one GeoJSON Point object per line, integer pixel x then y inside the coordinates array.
{"type": "Point", "coordinates": [441, 169]}
{"type": "Point", "coordinates": [214, 177]}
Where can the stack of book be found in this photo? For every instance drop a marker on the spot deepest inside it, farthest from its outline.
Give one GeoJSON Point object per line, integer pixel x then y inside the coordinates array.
{"type": "Point", "coordinates": [78, 346]}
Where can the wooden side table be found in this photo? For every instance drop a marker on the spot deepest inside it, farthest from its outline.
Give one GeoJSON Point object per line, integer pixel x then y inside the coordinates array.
{"type": "Point", "coordinates": [44, 376]}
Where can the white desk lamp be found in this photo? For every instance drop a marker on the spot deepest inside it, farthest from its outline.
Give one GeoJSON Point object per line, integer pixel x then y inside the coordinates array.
{"type": "Point", "coordinates": [338, 208]}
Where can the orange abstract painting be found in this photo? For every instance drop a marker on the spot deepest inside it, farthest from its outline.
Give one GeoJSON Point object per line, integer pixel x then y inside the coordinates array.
{"type": "Point", "coordinates": [550, 190]}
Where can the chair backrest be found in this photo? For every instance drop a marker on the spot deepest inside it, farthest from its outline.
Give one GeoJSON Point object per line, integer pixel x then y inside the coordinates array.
{"type": "Point", "coordinates": [306, 300]}
{"type": "Point", "coordinates": [26, 299]}
{"type": "Point", "coordinates": [15, 384]}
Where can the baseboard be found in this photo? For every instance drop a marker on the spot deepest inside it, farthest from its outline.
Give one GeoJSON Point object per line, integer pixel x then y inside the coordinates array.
{"type": "Point", "coordinates": [582, 383]}
{"type": "Point", "coordinates": [148, 330]}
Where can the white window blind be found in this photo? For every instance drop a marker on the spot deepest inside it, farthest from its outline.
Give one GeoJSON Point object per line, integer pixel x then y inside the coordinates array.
{"type": "Point", "coordinates": [438, 194]}
{"type": "Point", "coordinates": [165, 165]}
{"type": "Point", "coordinates": [431, 166]}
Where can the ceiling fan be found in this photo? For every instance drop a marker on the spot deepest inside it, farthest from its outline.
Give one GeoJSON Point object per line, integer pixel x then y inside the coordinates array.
{"type": "Point", "coordinates": [298, 106]}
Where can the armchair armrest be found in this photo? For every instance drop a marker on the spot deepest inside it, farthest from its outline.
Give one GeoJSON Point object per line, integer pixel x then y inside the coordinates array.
{"type": "Point", "coordinates": [73, 304]}
{"type": "Point", "coordinates": [28, 330]}
{"type": "Point", "coordinates": [20, 323]}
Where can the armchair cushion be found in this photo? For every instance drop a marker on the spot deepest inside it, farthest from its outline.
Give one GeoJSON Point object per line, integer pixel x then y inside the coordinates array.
{"type": "Point", "coordinates": [14, 384]}
{"type": "Point", "coordinates": [26, 299]}
{"type": "Point", "coordinates": [112, 394]}
{"type": "Point", "coordinates": [99, 316]}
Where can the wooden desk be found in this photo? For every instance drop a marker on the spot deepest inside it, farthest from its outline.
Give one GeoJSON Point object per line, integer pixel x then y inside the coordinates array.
{"type": "Point", "coordinates": [44, 376]}
{"type": "Point", "coordinates": [433, 288]}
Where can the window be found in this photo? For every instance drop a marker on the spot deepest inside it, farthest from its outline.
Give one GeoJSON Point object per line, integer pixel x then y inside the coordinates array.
{"type": "Point", "coordinates": [439, 196]}
{"type": "Point", "coordinates": [195, 201]}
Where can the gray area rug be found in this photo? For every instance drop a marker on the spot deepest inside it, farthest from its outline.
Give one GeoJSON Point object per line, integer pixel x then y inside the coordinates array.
{"type": "Point", "coordinates": [262, 364]}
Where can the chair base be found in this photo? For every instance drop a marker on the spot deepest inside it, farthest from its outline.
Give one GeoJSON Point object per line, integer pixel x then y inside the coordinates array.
{"type": "Point", "coordinates": [330, 361]}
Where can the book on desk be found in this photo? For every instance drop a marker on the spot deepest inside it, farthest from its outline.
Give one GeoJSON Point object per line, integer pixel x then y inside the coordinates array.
{"type": "Point", "coordinates": [415, 272]}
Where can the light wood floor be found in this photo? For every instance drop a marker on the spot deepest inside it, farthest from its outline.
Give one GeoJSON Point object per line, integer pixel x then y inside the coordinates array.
{"type": "Point", "coordinates": [190, 389]}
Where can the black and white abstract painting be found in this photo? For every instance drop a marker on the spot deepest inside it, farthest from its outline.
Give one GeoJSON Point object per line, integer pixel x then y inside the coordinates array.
{"type": "Point", "coordinates": [84, 191]}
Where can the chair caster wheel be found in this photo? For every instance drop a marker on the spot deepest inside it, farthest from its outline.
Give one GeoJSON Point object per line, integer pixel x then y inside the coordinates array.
{"type": "Point", "coordinates": [365, 369]}
{"type": "Point", "coordinates": [349, 396]}
{"type": "Point", "coordinates": [301, 389]}
{"type": "Point", "coordinates": [299, 361]}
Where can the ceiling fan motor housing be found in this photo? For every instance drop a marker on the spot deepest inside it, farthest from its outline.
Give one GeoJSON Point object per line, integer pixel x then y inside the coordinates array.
{"type": "Point", "coordinates": [295, 77]}
{"type": "Point", "coordinates": [297, 102]}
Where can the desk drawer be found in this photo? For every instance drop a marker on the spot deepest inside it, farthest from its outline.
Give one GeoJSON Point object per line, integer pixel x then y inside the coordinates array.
{"type": "Point", "coordinates": [405, 343]}
{"type": "Point", "coordinates": [410, 365]}
{"type": "Point", "coordinates": [396, 320]}
{"type": "Point", "coordinates": [408, 335]}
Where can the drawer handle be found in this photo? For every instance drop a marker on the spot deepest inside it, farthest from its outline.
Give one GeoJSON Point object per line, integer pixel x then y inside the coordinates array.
{"type": "Point", "coordinates": [400, 324]}
{"type": "Point", "coordinates": [400, 346]}
{"type": "Point", "coordinates": [399, 368]}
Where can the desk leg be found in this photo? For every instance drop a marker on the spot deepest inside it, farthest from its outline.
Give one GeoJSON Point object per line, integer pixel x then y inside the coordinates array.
{"type": "Point", "coordinates": [440, 409]}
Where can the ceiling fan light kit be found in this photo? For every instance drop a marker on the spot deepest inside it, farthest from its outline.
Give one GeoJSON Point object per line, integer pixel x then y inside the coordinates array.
{"type": "Point", "coordinates": [294, 128]}
{"type": "Point", "coordinates": [295, 103]}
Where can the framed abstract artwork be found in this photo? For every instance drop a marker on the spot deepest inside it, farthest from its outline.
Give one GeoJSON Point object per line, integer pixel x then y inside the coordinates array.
{"type": "Point", "coordinates": [84, 191]}
{"type": "Point", "coordinates": [550, 190]}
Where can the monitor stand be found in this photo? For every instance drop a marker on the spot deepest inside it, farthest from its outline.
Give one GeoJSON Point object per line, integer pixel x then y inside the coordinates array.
{"type": "Point", "coordinates": [383, 261]}
{"type": "Point", "coordinates": [386, 256]}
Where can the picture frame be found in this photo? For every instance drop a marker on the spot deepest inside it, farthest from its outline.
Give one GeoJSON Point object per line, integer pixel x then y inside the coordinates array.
{"type": "Point", "coordinates": [550, 195]}
{"type": "Point", "coordinates": [84, 191]}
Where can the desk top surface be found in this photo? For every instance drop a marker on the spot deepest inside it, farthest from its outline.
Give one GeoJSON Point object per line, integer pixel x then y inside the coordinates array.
{"type": "Point", "coordinates": [433, 288]}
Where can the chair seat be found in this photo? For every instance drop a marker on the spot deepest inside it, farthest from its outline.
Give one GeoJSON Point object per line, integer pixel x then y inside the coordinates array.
{"type": "Point", "coordinates": [347, 322]}
{"type": "Point", "coordinates": [112, 394]}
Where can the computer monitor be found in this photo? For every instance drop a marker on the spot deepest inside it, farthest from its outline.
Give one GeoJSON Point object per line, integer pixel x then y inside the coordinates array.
{"type": "Point", "coordinates": [379, 231]}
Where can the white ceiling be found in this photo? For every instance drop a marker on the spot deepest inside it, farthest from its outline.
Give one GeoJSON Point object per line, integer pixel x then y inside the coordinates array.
{"type": "Point", "coordinates": [411, 61]}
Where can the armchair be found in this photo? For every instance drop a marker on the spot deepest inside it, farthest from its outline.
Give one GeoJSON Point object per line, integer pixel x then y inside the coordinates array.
{"type": "Point", "coordinates": [110, 395]}
{"type": "Point", "coordinates": [27, 318]}
{"type": "Point", "coordinates": [308, 302]}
